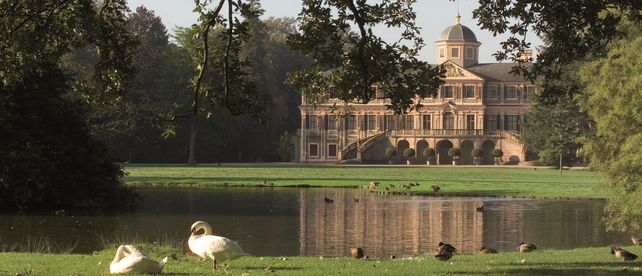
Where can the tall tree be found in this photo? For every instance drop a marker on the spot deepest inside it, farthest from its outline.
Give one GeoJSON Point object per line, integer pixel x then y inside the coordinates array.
{"type": "Point", "coordinates": [47, 157]}
{"type": "Point", "coordinates": [235, 92]}
{"type": "Point", "coordinates": [613, 99]}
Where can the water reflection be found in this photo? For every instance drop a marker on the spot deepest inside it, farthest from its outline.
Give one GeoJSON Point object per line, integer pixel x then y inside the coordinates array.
{"type": "Point", "coordinates": [289, 221]}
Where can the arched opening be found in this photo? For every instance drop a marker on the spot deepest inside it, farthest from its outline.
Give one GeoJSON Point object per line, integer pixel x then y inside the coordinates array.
{"type": "Point", "coordinates": [466, 152]}
{"type": "Point", "coordinates": [487, 147]}
{"type": "Point", "coordinates": [442, 148]}
{"type": "Point", "coordinates": [421, 146]}
{"type": "Point", "coordinates": [449, 120]}
{"type": "Point", "coordinates": [401, 146]}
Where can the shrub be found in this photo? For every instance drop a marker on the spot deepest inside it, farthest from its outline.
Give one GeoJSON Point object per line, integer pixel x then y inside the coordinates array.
{"type": "Point", "coordinates": [429, 152]}
{"type": "Point", "coordinates": [391, 152]}
{"type": "Point", "coordinates": [409, 153]}
{"type": "Point", "coordinates": [477, 152]}
{"type": "Point", "coordinates": [497, 153]}
{"type": "Point", "coordinates": [454, 152]}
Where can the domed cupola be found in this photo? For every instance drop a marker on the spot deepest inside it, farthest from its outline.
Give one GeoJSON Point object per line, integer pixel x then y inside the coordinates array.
{"type": "Point", "coordinates": [458, 44]}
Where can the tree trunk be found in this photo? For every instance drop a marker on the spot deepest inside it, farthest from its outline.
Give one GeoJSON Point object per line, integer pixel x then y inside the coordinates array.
{"type": "Point", "coordinates": [192, 141]}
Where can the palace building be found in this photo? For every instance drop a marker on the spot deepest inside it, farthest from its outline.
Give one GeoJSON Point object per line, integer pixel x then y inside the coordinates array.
{"type": "Point", "coordinates": [479, 106]}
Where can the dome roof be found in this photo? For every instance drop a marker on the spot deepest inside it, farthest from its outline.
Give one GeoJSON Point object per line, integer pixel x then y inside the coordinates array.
{"type": "Point", "coordinates": [458, 32]}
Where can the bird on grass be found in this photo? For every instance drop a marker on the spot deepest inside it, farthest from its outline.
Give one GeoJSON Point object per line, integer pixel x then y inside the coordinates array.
{"type": "Point", "coordinates": [446, 247]}
{"type": "Point", "coordinates": [636, 240]}
{"type": "Point", "coordinates": [129, 259]}
{"type": "Point", "coordinates": [208, 246]}
{"type": "Point", "coordinates": [444, 255]}
{"type": "Point", "coordinates": [623, 254]}
{"type": "Point", "coordinates": [435, 188]}
{"type": "Point", "coordinates": [485, 250]}
{"type": "Point", "coordinates": [526, 247]}
{"type": "Point", "coordinates": [356, 252]}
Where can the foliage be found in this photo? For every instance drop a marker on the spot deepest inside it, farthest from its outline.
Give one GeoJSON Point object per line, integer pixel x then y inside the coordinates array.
{"type": "Point", "coordinates": [285, 148]}
{"type": "Point", "coordinates": [347, 65]}
{"type": "Point", "coordinates": [613, 101]}
{"type": "Point", "coordinates": [409, 153]}
{"type": "Point", "coordinates": [391, 152]}
{"type": "Point", "coordinates": [572, 30]}
{"type": "Point", "coordinates": [477, 152]}
{"type": "Point", "coordinates": [48, 158]}
{"type": "Point", "coordinates": [454, 152]}
{"type": "Point", "coordinates": [497, 153]}
{"type": "Point", "coordinates": [429, 152]}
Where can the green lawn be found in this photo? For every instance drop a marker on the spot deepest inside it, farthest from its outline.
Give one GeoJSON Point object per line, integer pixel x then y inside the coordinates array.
{"type": "Point", "coordinates": [547, 262]}
{"type": "Point", "coordinates": [454, 181]}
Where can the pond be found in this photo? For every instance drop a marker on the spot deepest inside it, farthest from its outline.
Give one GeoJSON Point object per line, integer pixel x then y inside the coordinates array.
{"type": "Point", "coordinates": [300, 222]}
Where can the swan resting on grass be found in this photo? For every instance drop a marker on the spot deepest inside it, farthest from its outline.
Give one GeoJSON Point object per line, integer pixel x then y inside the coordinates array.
{"type": "Point", "coordinates": [129, 259]}
{"type": "Point", "coordinates": [208, 246]}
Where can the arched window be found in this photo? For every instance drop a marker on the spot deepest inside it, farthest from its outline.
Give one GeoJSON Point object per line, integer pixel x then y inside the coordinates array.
{"type": "Point", "coordinates": [449, 120]}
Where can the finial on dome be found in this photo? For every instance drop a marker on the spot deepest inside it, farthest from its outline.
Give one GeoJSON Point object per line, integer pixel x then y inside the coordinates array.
{"type": "Point", "coordinates": [457, 18]}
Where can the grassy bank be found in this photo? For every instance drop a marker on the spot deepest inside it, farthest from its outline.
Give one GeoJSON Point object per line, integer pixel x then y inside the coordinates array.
{"type": "Point", "coordinates": [548, 262]}
{"type": "Point", "coordinates": [461, 181]}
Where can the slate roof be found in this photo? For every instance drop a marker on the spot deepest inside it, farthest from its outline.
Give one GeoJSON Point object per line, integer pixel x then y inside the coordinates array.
{"type": "Point", "coordinates": [458, 32]}
{"type": "Point", "coordinates": [495, 71]}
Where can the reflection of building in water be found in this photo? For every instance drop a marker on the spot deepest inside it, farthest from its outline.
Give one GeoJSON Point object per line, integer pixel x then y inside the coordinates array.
{"type": "Point", "coordinates": [386, 226]}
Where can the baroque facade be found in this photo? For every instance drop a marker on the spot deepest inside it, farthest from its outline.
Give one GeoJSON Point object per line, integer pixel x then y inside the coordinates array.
{"type": "Point", "coordinates": [479, 106]}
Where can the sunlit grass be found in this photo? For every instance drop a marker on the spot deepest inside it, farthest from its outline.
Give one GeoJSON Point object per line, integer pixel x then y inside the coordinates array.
{"type": "Point", "coordinates": [583, 261]}
{"type": "Point", "coordinates": [37, 244]}
{"type": "Point", "coordinates": [459, 181]}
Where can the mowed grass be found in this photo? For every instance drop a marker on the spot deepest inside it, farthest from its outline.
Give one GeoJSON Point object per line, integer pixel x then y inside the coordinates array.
{"type": "Point", "coordinates": [453, 181]}
{"type": "Point", "coordinates": [584, 261]}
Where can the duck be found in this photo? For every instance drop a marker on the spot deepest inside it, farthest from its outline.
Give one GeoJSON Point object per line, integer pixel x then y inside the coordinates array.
{"type": "Point", "coordinates": [355, 199]}
{"type": "Point", "coordinates": [526, 247]}
{"type": "Point", "coordinates": [356, 252]}
{"type": "Point", "coordinates": [129, 259]}
{"type": "Point", "coordinates": [328, 200]}
{"type": "Point", "coordinates": [435, 188]}
{"type": "Point", "coordinates": [208, 246]}
{"type": "Point", "coordinates": [623, 254]}
{"type": "Point", "coordinates": [485, 250]}
{"type": "Point", "coordinates": [444, 255]}
{"type": "Point", "coordinates": [636, 240]}
{"type": "Point", "coordinates": [480, 209]}
{"type": "Point", "coordinates": [446, 247]}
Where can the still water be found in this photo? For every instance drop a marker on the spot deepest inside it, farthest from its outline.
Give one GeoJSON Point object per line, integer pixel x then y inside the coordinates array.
{"type": "Point", "coordinates": [293, 222]}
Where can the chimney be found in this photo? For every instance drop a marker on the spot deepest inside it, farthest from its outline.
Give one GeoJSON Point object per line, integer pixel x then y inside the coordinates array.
{"type": "Point", "coordinates": [526, 55]}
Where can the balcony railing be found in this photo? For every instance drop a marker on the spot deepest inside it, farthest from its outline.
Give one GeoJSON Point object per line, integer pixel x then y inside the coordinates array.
{"type": "Point", "coordinates": [445, 132]}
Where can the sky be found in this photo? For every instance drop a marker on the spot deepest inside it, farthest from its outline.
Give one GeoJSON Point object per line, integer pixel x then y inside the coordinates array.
{"type": "Point", "coordinates": [432, 16]}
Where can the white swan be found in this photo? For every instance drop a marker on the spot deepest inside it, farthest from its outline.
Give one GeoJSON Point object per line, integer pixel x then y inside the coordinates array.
{"type": "Point", "coordinates": [213, 247]}
{"type": "Point", "coordinates": [128, 259]}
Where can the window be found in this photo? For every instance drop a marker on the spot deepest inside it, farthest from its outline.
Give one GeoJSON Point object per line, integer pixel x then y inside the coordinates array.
{"type": "Point", "coordinates": [380, 94]}
{"type": "Point", "coordinates": [352, 122]}
{"type": "Point", "coordinates": [470, 121]}
{"type": "Point", "coordinates": [371, 122]}
{"type": "Point", "coordinates": [409, 122]}
{"type": "Point", "coordinates": [491, 91]}
{"type": "Point", "coordinates": [470, 53]}
{"type": "Point", "coordinates": [449, 120]}
{"type": "Point", "coordinates": [313, 150]}
{"type": "Point", "coordinates": [530, 90]}
{"type": "Point", "coordinates": [491, 122]}
{"type": "Point", "coordinates": [332, 122]}
{"type": "Point", "coordinates": [332, 150]}
{"type": "Point", "coordinates": [469, 91]}
{"type": "Point", "coordinates": [454, 52]}
{"type": "Point", "coordinates": [511, 92]}
{"type": "Point", "coordinates": [448, 92]}
{"type": "Point", "coordinates": [390, 122]}
{"type": "Point", "coordinates": [442, 52]}
{"type": "Point", "coordinates": [427, 123]}
{"type": "Point", "coordinates": [512, 122]}
{"type": "Point", "coordinates": [312, 121]}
